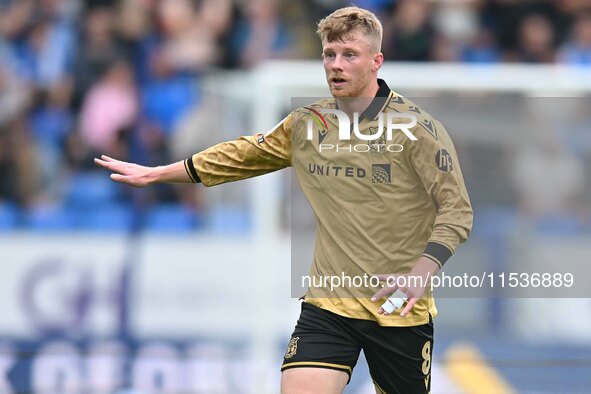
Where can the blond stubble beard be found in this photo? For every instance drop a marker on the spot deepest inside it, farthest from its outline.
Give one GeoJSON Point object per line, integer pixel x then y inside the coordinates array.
{"type": "Point", "coordinates": [343, 93]}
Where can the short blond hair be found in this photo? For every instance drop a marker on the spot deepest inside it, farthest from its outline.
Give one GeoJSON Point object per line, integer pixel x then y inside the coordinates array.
{"type": "Point", "coordinates": [343, 22]}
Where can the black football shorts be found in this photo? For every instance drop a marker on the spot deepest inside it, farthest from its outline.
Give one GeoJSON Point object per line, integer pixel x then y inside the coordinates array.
{"type": "Point", "coordinates": [399, 358]}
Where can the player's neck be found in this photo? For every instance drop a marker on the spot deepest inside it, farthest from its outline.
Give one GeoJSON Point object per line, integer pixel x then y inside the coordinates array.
{"type": "Point", "coordinates": [360, 102]}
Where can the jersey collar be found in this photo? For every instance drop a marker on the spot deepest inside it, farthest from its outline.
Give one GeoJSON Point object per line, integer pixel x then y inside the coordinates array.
{"type": "Point", "coordinates": [380, 100]}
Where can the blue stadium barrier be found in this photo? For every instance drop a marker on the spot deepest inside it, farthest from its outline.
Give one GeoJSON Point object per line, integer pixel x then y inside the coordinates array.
{"type": "Point", "coordinates": [90, 190]}
{"type": "Point", "coordinates": [49, 218]}
{"type": "Point", "coordinates": [106, 218]}
{"type": "Point", "coordinates": [8, 216]}
{"type": "Point", "coordinates": [172, 218]}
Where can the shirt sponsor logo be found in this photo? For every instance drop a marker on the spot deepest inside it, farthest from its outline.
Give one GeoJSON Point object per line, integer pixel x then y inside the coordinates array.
{"type": "Point", "coordinates": [328, 170]}
{"type": "Point", "coordinates": [443, 160]}
{"type": "Point", "coordinates": [381, 173]}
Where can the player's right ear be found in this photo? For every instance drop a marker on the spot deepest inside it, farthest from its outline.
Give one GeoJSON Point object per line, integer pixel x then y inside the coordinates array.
{"type": "Point", "coordinates": [378, 60]}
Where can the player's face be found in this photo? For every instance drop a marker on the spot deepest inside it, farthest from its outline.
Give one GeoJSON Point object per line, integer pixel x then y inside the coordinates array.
{"type": "Point", "coordinates": [351, 66]}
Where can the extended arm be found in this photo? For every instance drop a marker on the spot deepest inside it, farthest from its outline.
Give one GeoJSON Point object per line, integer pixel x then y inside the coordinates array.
{"type": "Point", "coordinates": [140, 176]}
{"type": "Point", "coordinates": [229, 161]}
{"type": "Point", "coordinates": [243, 158]}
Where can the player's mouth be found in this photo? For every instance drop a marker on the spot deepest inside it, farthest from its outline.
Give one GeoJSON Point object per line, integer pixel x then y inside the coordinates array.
{"type": "Point", "coordinates": [338, 82]}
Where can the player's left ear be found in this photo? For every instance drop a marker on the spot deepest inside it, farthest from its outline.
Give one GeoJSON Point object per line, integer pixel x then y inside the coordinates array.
{"type": "Point", "coordinates": [378, 60]}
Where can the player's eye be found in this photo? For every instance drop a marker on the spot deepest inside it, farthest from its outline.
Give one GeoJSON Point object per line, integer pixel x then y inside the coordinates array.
{"type": "Point", "coordinates": [329, 55]}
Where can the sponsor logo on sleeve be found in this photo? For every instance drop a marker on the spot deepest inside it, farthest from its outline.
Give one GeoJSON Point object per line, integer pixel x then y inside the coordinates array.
{"type": "Point", "coordinates": [443, 161]}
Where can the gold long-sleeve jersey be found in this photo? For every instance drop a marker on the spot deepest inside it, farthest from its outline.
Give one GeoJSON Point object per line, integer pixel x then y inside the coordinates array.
{"type": "Point", "coordinates": [380, 204]}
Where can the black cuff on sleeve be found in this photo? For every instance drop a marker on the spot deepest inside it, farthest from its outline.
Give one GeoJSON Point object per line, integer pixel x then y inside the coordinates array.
{"type": "Point", "coordinates": [190, 168]}
{"type": "Point", "coordinates": [437, 252]}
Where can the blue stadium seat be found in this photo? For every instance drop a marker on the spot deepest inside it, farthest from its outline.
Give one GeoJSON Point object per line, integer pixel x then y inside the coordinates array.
{"type": "Point", "coordinates": [49, 218]}
{"type": "Point", "coordinates": [8, 216]}
{"type": "Point", "coordinates": [107, 217]}
{"type": "Point", "coordinates": [171, 218]}
{"type": "Point", "coordinates": [90, 190]}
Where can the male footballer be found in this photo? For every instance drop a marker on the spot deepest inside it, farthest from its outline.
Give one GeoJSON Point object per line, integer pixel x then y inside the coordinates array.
{"type": "Point", "coordinates": [388, 196]}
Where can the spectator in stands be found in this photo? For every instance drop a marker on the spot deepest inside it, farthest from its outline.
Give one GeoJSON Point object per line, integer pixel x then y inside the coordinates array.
{"type": "Point", "coordinates": [46, 54]}
{"type": "Point", "coordinates": [97, 49]}
{"type": "Point", "coordinates": [456, 24]}
{"type": "Point", "coordinates": [481, 49]}
{"type": "Point", "coordinates": [14, 93]}
{"type": "Point", "coordinates": [574, 7]}
{"type": "Point", "coordinates": [7, 169]}
{"type": "Point", "coordinates": [535, 41]}
{"type": "Point", "coordinates": [15, 175]}
{"type": "Point", "coordinates": [175, 55]}
{"type": "Point", "coordinates": [133, 24]}
{"type": "Point", "coordinates": [110, 110]}
{"type": "Point", "coordinates": [376, 6]}
{"type": "Point", "coordinates": [187, 43]}
{"type": "Point", "coordinates": [51, 121]}
{"type": "Point", "coordinates": [15, 17]}
{"type": "Point", "coordinates": [408, 34]}
{"type": "Point", "coordinates": [19, 176]}
{"type": "Point", "coordinates": [260, 34]}
{"type": "Point", "coordinates": [577, 50]}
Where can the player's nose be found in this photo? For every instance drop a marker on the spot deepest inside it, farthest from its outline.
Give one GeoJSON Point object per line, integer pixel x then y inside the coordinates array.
{"type": "Point", "coordinates": [337, 63]}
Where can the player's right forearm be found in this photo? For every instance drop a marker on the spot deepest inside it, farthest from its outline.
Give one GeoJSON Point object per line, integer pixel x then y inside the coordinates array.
{"type": "Point", "coordinates": [171, 173]}
{"type": "Point", "coordinates": [141, 176]}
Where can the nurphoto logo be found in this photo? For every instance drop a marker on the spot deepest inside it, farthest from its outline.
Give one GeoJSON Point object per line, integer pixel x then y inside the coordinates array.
{"type": "Point", "coordinates": [377, 140]}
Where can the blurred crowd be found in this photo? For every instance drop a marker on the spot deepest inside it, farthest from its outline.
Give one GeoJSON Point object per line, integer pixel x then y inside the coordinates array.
{"type": "Point", "coordinates": [78, 79]}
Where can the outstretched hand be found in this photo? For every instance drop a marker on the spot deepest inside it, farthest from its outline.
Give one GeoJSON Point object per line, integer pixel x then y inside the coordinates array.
{"type": "Point", "coordinates": [124, 172]}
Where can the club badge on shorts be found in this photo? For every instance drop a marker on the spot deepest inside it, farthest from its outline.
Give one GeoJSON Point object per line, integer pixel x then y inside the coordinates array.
{"type": "Point", "coordinates": [292, 347]}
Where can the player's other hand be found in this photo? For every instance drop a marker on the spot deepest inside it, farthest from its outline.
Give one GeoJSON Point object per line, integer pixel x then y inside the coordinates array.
{"type": "Point", "coordinates": [124, 172]}
{"type": "Point", "coordinates": [412, 284]}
